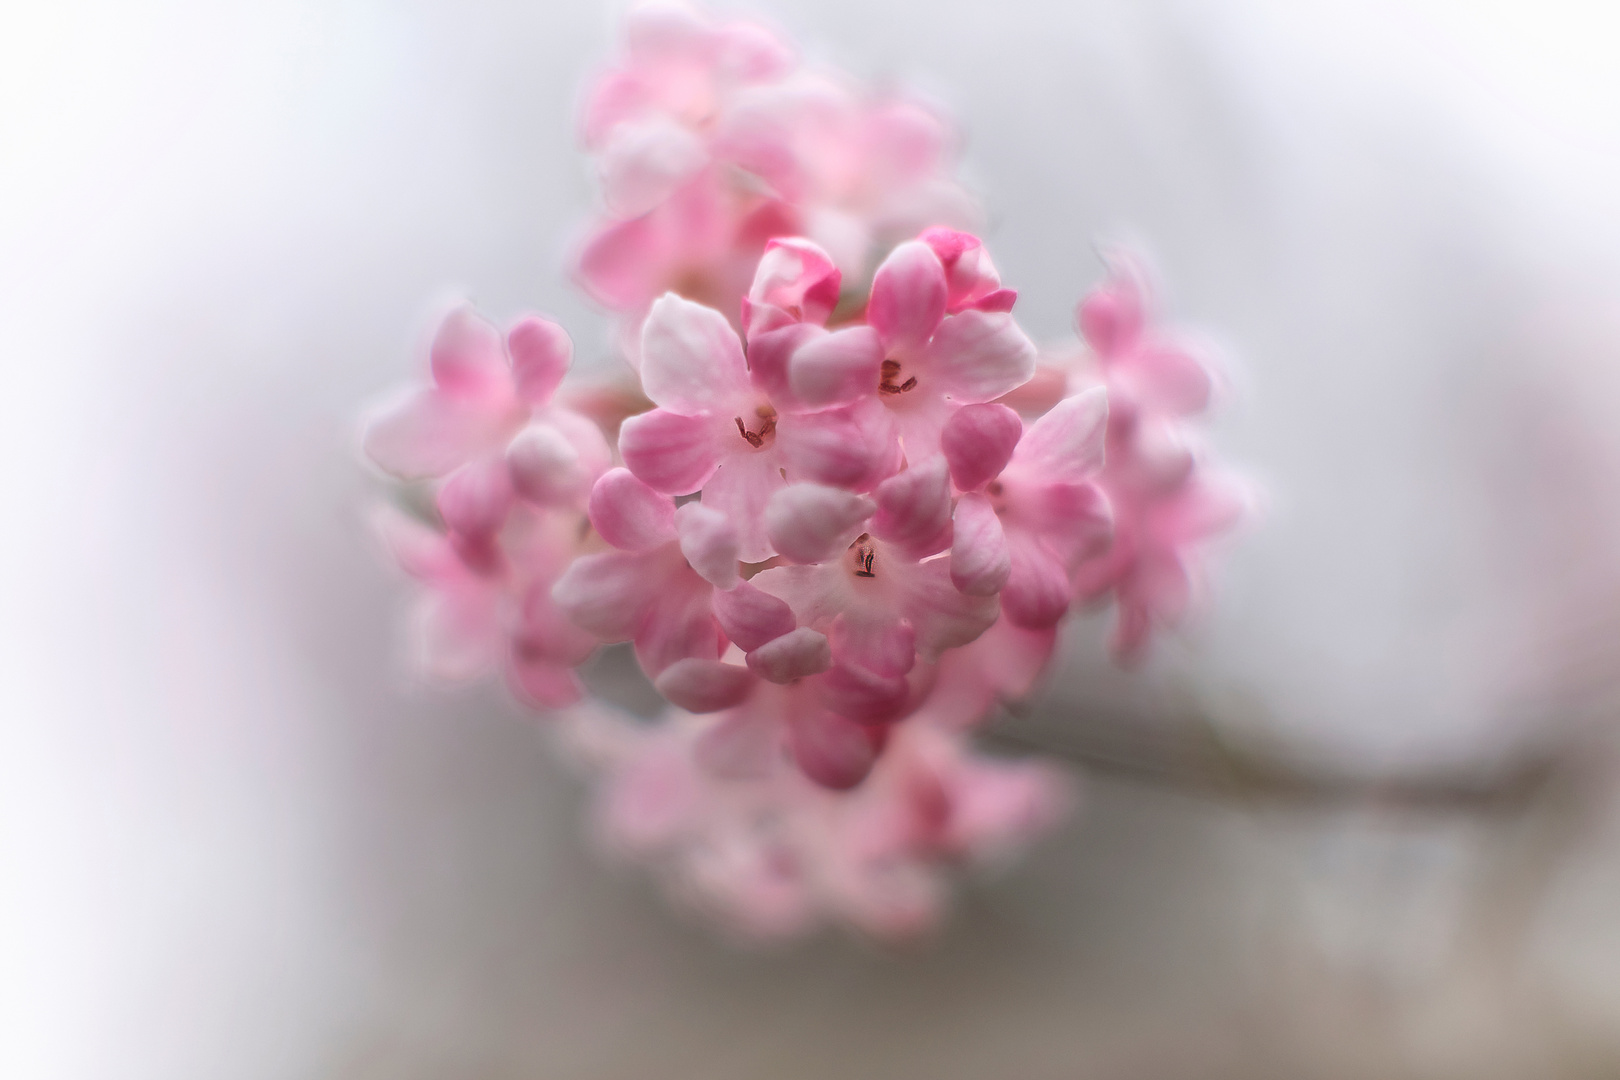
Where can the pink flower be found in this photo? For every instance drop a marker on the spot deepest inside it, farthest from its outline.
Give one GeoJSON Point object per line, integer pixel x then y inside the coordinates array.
{"type": "Point", "coordinates": [772, 856]}
{"type": "Point", "coordinates": [474, 618]}
{"type": "Point", "coordinates": [710, 141]}
{"type": "Point", "coordinates": [717, 432]}
{"type": "Point", "coordinates": [915, 356]}
{"type": "Point", "coordinates": [1165, 501]}
{"type": "Point", "coordinates": [1022, 531]}
{"type": "Point", "coordinates": [647, 591]}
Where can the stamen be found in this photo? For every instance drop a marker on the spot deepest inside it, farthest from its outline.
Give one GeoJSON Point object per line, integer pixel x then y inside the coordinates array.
{"type": "Point", "coordinates": [891, 371]}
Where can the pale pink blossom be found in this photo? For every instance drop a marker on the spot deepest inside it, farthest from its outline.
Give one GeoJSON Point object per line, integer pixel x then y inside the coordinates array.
{"type": "Point", "coordinates": [772, 856]}
{"type": "Point", "coordinates": [711, 139]}
{"type": "Point", "coordinates": [1166, 501]}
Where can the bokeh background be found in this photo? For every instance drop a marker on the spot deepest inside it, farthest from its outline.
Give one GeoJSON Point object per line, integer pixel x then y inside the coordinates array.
{"type": "Point", "coordinates": [1358, 820]}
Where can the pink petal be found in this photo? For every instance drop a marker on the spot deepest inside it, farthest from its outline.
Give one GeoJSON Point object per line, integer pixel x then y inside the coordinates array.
{"type": "Point", "coordinates": [672, 452]}
{"type": "Point", "coordinates": [943, 616]}
{"type": "Point", "coordinates": [1167, 377]}
{"type": "Point", "coordinates": [834, 752]}
{"type": "Point", "coordinates": [419, 550]}
{"type": "Point", "coordinates": [691, 359]}
{"type": "Point", "coordinates": [457, 634]}
{"type": "Point", "coordinates": [1111, 318]}
{"type": "Point", "coordinates": [769, 355]}
{"type": "Point", "coordinates": [429, 434]}
{"type": "Point", "coordinates": [709, 543]}
{"type": "Point", "coordinates": [969, 273]}
{"type": "Point", "coordinates": [541, 353]}
{"type": "Point", "coordinates": [978, 356]}
{"type": "Point", "coordinates": [739, 490]}
{"type": "Point", "coordinates": [556, 459]}
{"type": "Point", "coordinates": [623, 265]}
{"type": "Point", "coordinates": [741, 744]}
{"type": "Point", "coordinates": [797, 277]}
{"type": "Point", "coordinates": [544, 684]}
{"type": "Point", "coordinates": [642, 163]}
{"type": "Point", "coordinates": [467, 357]}
{"type": "Point", "coordinates": [794, 655]}
{"type": "Point", "coordinates": [914, 508]}
{"type": "Point", "coordinates": [978, 441]}
{"type": "Point", "coordinates": [837, 369]}
{"type": "Point", "coordinates": [855, 446]}
{"type": "Point", "coordinates": [704, 686]}
{"type": "Point", "coordinates": [908, 296]}
{"type": "Point", "coordinates": [1076, 518]}
{"type": "Point", "coordinates": [1067, 443]}
{"type": "Point", "coordinates": [1037, 591]}
{"type": "Point", "coordinates": [1000, 300]}
{"type": "Point", "coordinates": [862, 695]}
{"type": "Point", "coordinates": [883, 646]}
{"type": "Point", "coordinates": [751, 617]}
{"type": "Point", "coordinates": [680, 623]}
{"type": "Point", "coordinates": [811, 523]}
{"type": "Point", "coordinates": [630, 515]}
{"type": "Point", "coordinates": [475, 499]}
{"type": "Point", "coordinates": [606, 594]}
{"type": "Point", "coordinates": [980, 561]}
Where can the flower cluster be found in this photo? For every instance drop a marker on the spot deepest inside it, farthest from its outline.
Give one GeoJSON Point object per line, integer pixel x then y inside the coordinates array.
{"type": "Point", "coordinates": [710, 139]}
{"type": "Point", "coordinates": [844, 521]}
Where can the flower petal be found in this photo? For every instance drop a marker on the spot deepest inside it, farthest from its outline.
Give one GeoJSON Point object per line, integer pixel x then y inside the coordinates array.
{"type": "Point", "coordinates": [467, 358]}
{"type": "Point", "coordinates": [541, 353]}
{"type": "Point", "coordinates": [794, 655]}
{"type": "Point", "coordinates": [978, 356]}
{"type": "Point", "coordinates": [943, 616]}
{"type": "Point", "coordinates": [429, 434]}
{"type": "Point", "coordinates": [797, 277]}
{"type": "Point", "coordinates": [1111, 318]}
{"type": "Point", "coordinates": [838, 369]}
{"type": "Point", "coordinates": [709, 542]}
{"type": "Point", "coordinates": [834, 752]}
{"type": "Point", "coordinates": [914, 509]}
{"type": "Point", "coordinates": [978, 441]}
{"type": "Point", "coordinates": [691, 359]}
{"type": "Point", "coordinates": [630, 515]}
{"type": "Point", "coordinates": [811, 523]}
{"type": "Point", "coordinates": [863, 695]}
{"type": "Point", "coordinates": [855, 446]}
{"type": "Point", "coordinates": [884, 646]}
{"type": "Point", "coordinates": [606, 594]}
{"type": "Point", "coordinates": [556, 459]}
{"type": "Point", "coordinates": [543, 683]}
{"type": "Point", "coordinates": [908, 296]}
{"type": "Point", "coordinates": [1037, 591]}
{"type": "Point", "coordinates": [622, 265]}
{"type": "Point", "coordinates": [672, 452]}
{"type": "Point", "coordinates": [680, 622]}
{"type": "Point", "coordinates": [704, 686]}
{"type": "Point", "coordinates": [642, 163]}
{"type": "Point", "coordinates": [739, 490]}
{"type": "Point", "coordinates": [475, 499]}
{"type": "Point", "coordinates": [980, 561]}
{"type": "Point", "coordinates": [1067, 443]}
{"type": "Point", "coordinates": [751, 617]}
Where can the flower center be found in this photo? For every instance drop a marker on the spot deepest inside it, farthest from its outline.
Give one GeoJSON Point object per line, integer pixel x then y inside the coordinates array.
{"type": "Point", "coordinates": [765, 419]}
{"type": "Point", "coordinates": [864, 554]}
{"type": "Point", "coordinates": [891, 372]}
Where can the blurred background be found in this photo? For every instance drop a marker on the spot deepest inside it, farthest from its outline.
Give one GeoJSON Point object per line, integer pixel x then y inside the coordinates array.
{"type": "Point", "coordinates": [1358, 820]}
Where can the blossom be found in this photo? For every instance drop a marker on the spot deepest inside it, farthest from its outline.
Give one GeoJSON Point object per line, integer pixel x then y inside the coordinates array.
{"type": "Point", "coordinates": [838, 511]}
{"type": "Point", "coordinates": [773, 856]}
{"type": "Point", "coordinates": [1165, 500]}
{"type": "Point", "coordinates": [711, 139]}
